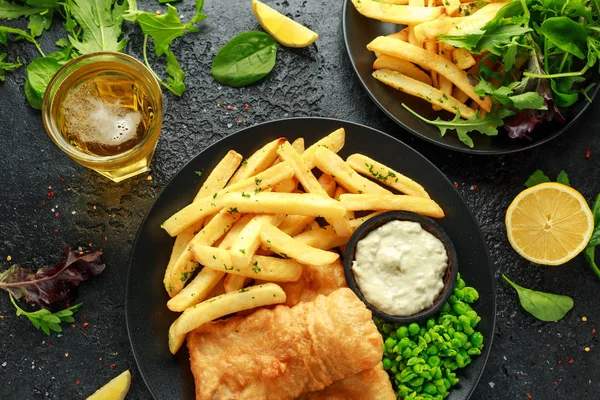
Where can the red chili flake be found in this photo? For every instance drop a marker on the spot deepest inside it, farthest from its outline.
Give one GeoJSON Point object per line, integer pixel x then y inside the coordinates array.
{"type": "Point", "coordinates": [559, 362]}
{"type": "Point", "coordinates": [77, 382]}
{"type": "Point", "coordinates": [62, 179]}
{"type": "Point", "coordinates": [113, 366]}
{"type": "Point", "coordinates": [555, 383]}
{"type": "Point", "coordinates": [533, 363]}
{"type": "Point", "coordinates": [229, 108]}
{"type": "Point", "coordinates": [43, 203]}
{"type": "Point", "coordinates": [528, 395]}
{"type": "Point", "coordinates": [594, 331]}
{"type": "Point", "coordinates": [56, 230]}
{"type": "Point", "coordinates": [42, 366]}
{"type": "Point", "coordinates": [72, 325]}
{"type": "Point", "coordinates": [48, 344]}
{"type": "Point", "coordinates": [105, 239]}
{"type": "Point", "coordinates": [474, 187]}
{"type": "Point", "coordinates": [84, 317]}
{"type": "Point", "coordinates": [246, 107]}
{"type": "Point", "coordinates": [57, 215]}
{"type": "Point", "coordinates": [50, 194]}
{"type": "Point", "coordinates": [86, 324]}
{"type": "Point", "coordinates": [588, 153]}
{"type": "Point", "coordinates": [456, 185]}
{"type": "Point", "coordinates": [571, 361]}
{"type": "Point", "coordinates": [336, 116]}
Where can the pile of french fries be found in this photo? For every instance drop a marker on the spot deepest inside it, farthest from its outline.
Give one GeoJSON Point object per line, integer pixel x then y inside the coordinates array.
{"type": "Point", "coordinates": [414, 62]}
{"type": "Point", "coordinates": [263, 218]}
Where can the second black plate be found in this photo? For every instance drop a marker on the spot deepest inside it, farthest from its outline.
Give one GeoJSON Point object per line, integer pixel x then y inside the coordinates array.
{"type": "Point", "coordinates": [360, 30]}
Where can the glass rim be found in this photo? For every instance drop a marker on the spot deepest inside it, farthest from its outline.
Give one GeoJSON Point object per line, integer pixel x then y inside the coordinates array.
{"type": "Point", "coordinates": [57, 80]}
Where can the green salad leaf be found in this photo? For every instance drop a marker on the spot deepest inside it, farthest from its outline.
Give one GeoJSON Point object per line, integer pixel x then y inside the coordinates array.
{"type": "Point", "coordinates": [563, 179]}
{"type": "Point", "coordinates": [45, 320]}
{"type": "Point", "coordinates": [101, 22]}
{"type": "Point", "coordinates": [7, 66]}
{"type": "Point", "coordinates": [245, 59]}
{"type": "Point", "coordinates": [544, 306]}
{"type": "Point", "coordinates": [536, 178]}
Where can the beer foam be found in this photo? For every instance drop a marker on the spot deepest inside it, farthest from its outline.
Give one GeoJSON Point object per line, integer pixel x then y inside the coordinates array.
{"type": "Point", "coordinates": [93, 121]}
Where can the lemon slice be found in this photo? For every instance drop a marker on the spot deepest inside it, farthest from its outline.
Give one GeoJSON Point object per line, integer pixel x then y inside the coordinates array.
{"type": "Point", "coordinates": [283, 29]}
{"type": "Point", "coordinates": [549, 223]}
{"type": "Point", "coordinates": [116, 389]}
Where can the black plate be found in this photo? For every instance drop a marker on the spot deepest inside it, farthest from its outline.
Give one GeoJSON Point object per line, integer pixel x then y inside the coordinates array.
{"type": "Point", "coordinates": [148, 318]}
{"type": "Point", "coordinates": [360, 30]}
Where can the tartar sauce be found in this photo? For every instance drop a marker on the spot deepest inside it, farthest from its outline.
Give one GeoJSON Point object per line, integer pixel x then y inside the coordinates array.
{"type": "Point", "coordinates": [399, 268]}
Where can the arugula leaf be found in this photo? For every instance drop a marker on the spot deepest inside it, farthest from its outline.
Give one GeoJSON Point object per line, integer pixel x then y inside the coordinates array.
{"type": "Point", "coordinates": [536, 178]}
{"type": "Point", "coordinates": [563, 178]}
{"type": "Point", "coordinates": [162, 28]}
{"type": "Point", "coordinates": [544, 306]}
{"type": "Point", "coordinates": [7, 66]}
{"type": "Point", "coordinates": [18, 34]}
{"type": "Point", "coordinates": [100, 22]}
{"type": "Point", "coordinates": [177, 76]}
{"type": "Point", "coordinates": [40, 22]}
{"type": "Point", "coordinates": [45, 320]}
{"type": "Point", "coordinates": [590, 250]}
{"type": "Point", "coordinates": [11, 11]}
{"type": "Point", "coordinates": [487, 125]}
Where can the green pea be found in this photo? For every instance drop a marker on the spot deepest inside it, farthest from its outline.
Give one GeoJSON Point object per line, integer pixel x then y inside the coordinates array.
{"type": "Point", "coordinates": [474, 351]}
{"type": "Point", "coordinates": [404, 342]}
{"type": "Point", "coordinates": [406, 353]}
{"type": "Point", "coordinates": [459, 284]}
{"type": "Point", "coordinates": [387, 328]}
{"type": "Point", "coordinates": [402, 332]}
{"type": "Point", "coordinates": [459, 308]}
{"type": "Point", "coordinates": [433, 361]}
{"type": "Point", "coordinates": [387, 363]}
{"type": "Point", "coordinates": [417, 381]}
{"type": "Point", "coordinates": [389, 343]}
{"type": "Point", "coordinates": [452, 300]}
{"type": "Point", "coordinates": [408, 377]}
{"type": "Point", "coordinates": [432, 350]}
{"type": "Point", "coordinates": [414, 329]}
{"type": "Point", "coordinates": [430, 388]}
{"type": "Point", "coordinates": [477, 339]}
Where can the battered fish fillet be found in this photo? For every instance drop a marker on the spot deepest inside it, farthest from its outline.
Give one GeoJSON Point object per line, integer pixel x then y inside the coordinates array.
{"type": "Point", "coordinates": [313, 282]}
{"type": "Point", "coordinates": [284, 352]}
{"type": "Point", "coordinates": [371, 384]}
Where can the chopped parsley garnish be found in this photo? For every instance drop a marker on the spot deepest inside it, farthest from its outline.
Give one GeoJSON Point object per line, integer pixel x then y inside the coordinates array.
{"type": "Point", "coordinates": [199, 173]}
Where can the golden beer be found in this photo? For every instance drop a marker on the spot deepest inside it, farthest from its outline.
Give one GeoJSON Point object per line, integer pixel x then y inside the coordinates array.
{"type": "Point", "coordinates": [105, 111]}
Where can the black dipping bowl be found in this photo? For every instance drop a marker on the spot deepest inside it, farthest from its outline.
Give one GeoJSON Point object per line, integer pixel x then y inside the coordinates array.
{"type": "Point", "coordinates": [427, 224]}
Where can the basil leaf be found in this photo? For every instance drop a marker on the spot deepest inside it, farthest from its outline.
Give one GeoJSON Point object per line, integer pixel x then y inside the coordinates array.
{"type": "Point", "coordinates": [245, 59]}
{"type": "Point", "coordinates": [536, 178]}
{"type": "Point", "coordinates": [544, 306]}
{"type": "Point", "coordinates": [563, 178]}
{"type": "Point", "coordinates": [567, 35]}
{"type": "Point", "coordinates": [590, 250]}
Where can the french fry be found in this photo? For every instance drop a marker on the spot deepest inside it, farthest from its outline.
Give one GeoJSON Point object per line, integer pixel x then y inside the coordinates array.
{"type": "Point", "coordinates": [416, 3]}
{"type": "Point", "coordinates": [248, 241]}
{"type": "Point", "coordinates": [294, 224]}
{"type": "Point", "coordinates": [217, 307]}
{"type": "Point", "coordinates": [261, 267]}
{"type": "Point", "coordinates": [397, 14]}
{"type": "Point", "coordinates": [426, 92]}
{"type": "Point", "coordinates": [419, 205]}
{"type": "Point", "coordinates": [281, 203]}
{"type": "Point", "coordinates": [338, 192]}
{"type": "Point", "coordinates": [462, 58]}
{"type": "Point", "coordinates": [430, 46]}
{"type": "Point", "coordinates": [298, 145]}
{"type": "Point", "coordinates": [400, 35]}
{"type": "Point", "coordinates": [279, 242]}
{"type": "Point", "coordinates": [332, 164]}
{"type": "Point", "coordinates": [432, 29]}
{"type": "Point", "coordinates": [196, 291]}
{"type": "Point", "coordinates": [404, 67]}
{"type": "Point", "coordinates": [311, 226]}
{"type": "Point", "coordinates": [286, 186]}
{"type": "Point", "coordinates": [181, 244]}
{"type": "Point", "coordinates": [311, 185]}
{"type": "Point", "coordinates": [328, 184]}
{"type": "Point", "coordinates": [334, 142]}
{"type": "Point", "coordinates": [411, 37]}
{"type": "Point", "coordinates": [452, 7]}
{"type": "Point", "coordinates": [445, 84]}
{"type": "Point", "coordinates": [477, 20]}
{"type": "Point", "coordinates": [441, 65]}
{"type": "Point", "coordinates": [194, 212]}
{"type": "Point", "coordinates": [233, 283]}
{"type": "Point", "coordinates": [356, 222]}
{"type": "Point", "coordinates": [398, 2]}
{"type": "Point", "coordinates": [459, 95]}
{"type": "Point", "coordinates": [467, 9]}
{"type": "Point", "coordinates": [235, 230]}
{"type": "Point", "coordinates": [258, 162]}
{"type": "Point", "coordinates": [323, 238]}
{"type": "Point", "coordinates": [220, 175]}
{"type": "Point", "coordinates": [387, 176]}
{"type": "Point", "coordinates": [186, 264]}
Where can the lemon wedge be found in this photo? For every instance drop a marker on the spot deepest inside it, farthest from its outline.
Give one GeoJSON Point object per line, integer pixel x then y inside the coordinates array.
{"type": "Point", "coordinates": [549, 223]}
{"type": "Point", "coordinates": [283, 29]}
{"type": "Point", "coordinates": [116, 389]}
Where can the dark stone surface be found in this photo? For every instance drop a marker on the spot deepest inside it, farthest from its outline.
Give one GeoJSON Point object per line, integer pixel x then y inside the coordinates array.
{"type": "Point", "coordinates": [546, 360]}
